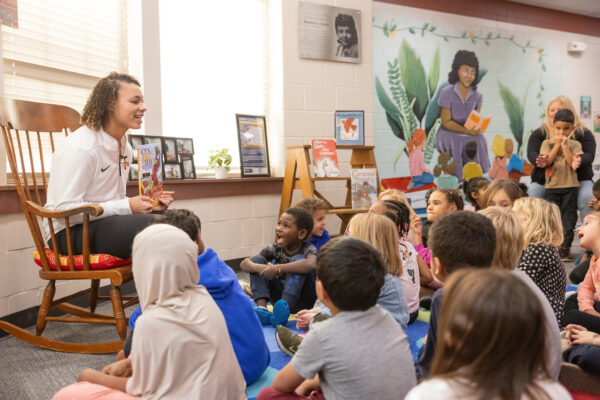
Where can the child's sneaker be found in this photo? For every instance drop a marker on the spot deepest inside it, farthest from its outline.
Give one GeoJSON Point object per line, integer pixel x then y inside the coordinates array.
{"type": "Point", "coordinates": [281, 313]}
{"type": "Point", "coordinates": [264, 315]}
{"type": "Point", "coordinates": [247, 289]}
{"type": "Point", "coordinates": [287, 340]}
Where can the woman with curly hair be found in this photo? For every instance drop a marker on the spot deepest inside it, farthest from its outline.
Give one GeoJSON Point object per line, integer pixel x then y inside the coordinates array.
{"type": "Point", "coordinates": [456, 102]}
{"type": "Point", "coordinates": [92, 165]}
{"type": "Point", "coordinates": [347, 37]}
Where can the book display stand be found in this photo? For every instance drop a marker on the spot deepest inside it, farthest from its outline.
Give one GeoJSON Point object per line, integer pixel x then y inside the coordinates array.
{"type": "Point", "coordinates": [298, 176]}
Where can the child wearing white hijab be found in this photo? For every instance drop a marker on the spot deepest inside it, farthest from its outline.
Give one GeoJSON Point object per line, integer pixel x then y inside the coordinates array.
{"type": "Point", "coordinates": [181, 349]}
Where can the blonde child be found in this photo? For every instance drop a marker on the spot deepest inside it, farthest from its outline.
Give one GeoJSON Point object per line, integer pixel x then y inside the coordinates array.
{"type": "Point", "coordinates": [420, 174]}
{"type": "Point", "coordinates": [491, 342]}
{"type": "Point", "coordinates": [318, 209]}
{"type": "Point", "coordinates": [179, 319]}
{"type": "Point", "coordinates": [416, 272]}
{"type": "Point", "coordinates": [360, 352]}
{"type": "Point", "coordinates": [498, 170]}
{"type": "Point", "coordinates": [542, 232]}
{"type": "Point", "coordinates": [509, 242]}
{"type": "Point", "coordinates": [503, 193]}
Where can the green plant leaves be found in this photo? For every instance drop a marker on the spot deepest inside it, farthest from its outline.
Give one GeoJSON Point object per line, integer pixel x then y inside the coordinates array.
{"type": "Point", "coordinates": [434, 72]}
{"type": "Point", "coordinates": [512, 106]}
{"type": "Point", "coordinates": [482, 73]}
{"type": "Point", "coordinates": [219, 158]}
{"type": "Point", "coordinates": [433, 109]}
{"type": "Point", "coordinates": [413, 79]}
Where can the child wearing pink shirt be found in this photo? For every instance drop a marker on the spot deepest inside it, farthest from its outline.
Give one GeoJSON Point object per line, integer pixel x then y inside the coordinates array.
{"type": "Point", "coordinates": [421, 176]}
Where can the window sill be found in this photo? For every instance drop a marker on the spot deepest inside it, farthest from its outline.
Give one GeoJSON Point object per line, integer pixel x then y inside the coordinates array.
{"type": "Point", "coordinates": [184, 189]}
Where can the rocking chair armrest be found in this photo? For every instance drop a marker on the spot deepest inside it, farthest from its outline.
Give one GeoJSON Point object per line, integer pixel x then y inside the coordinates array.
{"type": "Point", "coordinates": [93, 210]}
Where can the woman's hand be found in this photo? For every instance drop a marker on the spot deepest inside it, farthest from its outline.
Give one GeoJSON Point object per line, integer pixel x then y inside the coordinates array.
{"type": "Point", "coordinates": [164, 201]}
{"type": "Point", "coordinates": [475, 131]}
{"type": "Point", "coordinates": [140, 204]}
{"type": "Point", "coordinates": [576, 161]}
{"type": "Point", "coordinates": [541, 161]}
{"type": "Point", "coordinates": [119, 368]}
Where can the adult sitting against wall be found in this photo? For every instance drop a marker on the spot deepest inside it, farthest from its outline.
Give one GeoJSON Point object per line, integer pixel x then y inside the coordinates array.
{"type": "Point", "coordinates": [92, 166]}
{"type": "Point", "coordinates": [588, 146]}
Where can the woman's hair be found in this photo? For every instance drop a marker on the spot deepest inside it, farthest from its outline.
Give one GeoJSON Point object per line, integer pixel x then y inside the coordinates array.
{"type": "Point", "coordinates": [347, 20]}
{"type": "Point", "coordinates": [418, 138]}
{"type": "Point", "coordinates": [498, 146]}
{"type": "Point", "coordinates": [101, 103]}
{"type": "Point", "coordinates": [578, 126]}
{"type": "Point", "coordinates": [381, 233]}
{"type": "Point", "coordinates": [399, 213]}
{"type": "Point", "coordinates": [464, 57]}
{"type": "Point", "coordinates": [453, 196]}
{"type": "Point", "coordinates": [509, 237]}
{"type": "Point", "coordinates": [492, 335]}
{"type": "Point", "coordinates": [474, 185]}
{"type": "Point", "coordinates": [397, 195]}
{"type": "Point", "coordinates": [542, 223]}
{"type": "Point", "coordinates": [512, 188]}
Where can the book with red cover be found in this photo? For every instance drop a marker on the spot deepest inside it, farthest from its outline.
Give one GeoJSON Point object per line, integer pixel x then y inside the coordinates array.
{"type": "Point", "coordinates": [325, 158]}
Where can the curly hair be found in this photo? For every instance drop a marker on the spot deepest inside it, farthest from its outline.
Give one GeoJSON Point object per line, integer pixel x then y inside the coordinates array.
{"type": "Point", "coordinates": [347, 20]}
{"type": "Point", "coordinates": [464, 57]}
{"type": "Point", "coordinates": [101, 103]}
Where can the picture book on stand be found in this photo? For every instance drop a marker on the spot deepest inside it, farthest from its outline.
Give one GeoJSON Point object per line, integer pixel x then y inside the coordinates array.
{"type": "Point", "coordinates": [325, 158]}
{"type": "Point", "coordinates": [150, 171]}
{"type": "Point", "coordinates": [364, 187]}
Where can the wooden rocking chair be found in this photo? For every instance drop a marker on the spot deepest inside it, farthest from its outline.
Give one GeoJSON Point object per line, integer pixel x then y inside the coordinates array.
{"type": "Point", "coordinates": [24, 124]}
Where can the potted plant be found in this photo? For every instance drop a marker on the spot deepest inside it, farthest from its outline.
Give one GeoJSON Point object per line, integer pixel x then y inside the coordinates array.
{"type": "Point", "coordinates": [219, 160]}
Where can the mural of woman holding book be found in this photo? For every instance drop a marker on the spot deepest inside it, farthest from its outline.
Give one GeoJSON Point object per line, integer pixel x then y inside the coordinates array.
{"type": "Point", "coordinates": [457, 101]}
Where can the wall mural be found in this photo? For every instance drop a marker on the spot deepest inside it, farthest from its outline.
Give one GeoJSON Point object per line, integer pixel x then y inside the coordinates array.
{"type": "Point", "coordinates": [455, 102]}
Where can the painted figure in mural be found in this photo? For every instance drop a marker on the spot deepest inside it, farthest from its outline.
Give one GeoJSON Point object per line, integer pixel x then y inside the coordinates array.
{"type": "Point", "coordinates": [420, 174]}
{"type": "Point", "coordinates": [347, 37]}
{"type": "Point", "coordinates": [471, 169]}
{"type": "Point", "coordinates": [516, 166]}
{"type": "Point", "coordinates": [498, 170]}
{"type": "Point", "coordinates": [588, 146]}
{"type": "Point", "coordinates": [444, 171]}
{"type": "Point", "coordinates": [457, 101]}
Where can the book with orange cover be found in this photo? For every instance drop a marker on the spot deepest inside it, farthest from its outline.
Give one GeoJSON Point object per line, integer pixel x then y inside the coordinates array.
{"type": "Point", "coordinates": [325, 158]}
{"type": "Point", "coordinates": [475, 121]}
{"type": "Point", "coordinates": [150, 171]}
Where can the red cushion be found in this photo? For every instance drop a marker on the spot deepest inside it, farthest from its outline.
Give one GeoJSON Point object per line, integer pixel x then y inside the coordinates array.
{"type": "Point", "coordinates": [583, 396]}
{"type": "Point", "coordinates": [97, 261]}
{"type": "Point", "coordinates": [402, 183]}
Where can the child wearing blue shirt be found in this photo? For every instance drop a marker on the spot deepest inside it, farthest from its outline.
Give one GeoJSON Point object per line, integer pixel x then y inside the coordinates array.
{"type": "Point", "coordinates": [318, 209]}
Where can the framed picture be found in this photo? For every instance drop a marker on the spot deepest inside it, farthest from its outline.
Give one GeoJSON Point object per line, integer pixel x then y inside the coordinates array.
{"type": "Point", "coordinates": [135, 141]}
{"type": "Point", "coordinates": [184, 146]}
{"type": "Point", "coordinates": [133, 172]}
{"type": "Point", "coordinates": [153, 140]}
{"type": "Point", "coordinates": [172, 171]}
{"type": "Point", "coordinates": [188, 167]}
{"type": "Point", "coordinates": [350, 128]}
{"type": "Point", "coordinates": [252, 140]}
{"type": "Point", "coordinates": [169, 150]}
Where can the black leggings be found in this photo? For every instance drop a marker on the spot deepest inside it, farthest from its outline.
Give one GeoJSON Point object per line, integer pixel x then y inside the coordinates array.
{"type": "Point", "coordinates": [111, 235]}
{"type": "Point", "coordinates": [574, 316]}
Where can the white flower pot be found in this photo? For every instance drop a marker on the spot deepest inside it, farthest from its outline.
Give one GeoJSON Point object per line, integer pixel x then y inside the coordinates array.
{"type": "Point", "coordinates": [220, 172]}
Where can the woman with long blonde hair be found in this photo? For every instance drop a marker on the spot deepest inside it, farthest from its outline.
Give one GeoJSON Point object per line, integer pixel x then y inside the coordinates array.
{"type": "Point", "coordinates": [588, 145]}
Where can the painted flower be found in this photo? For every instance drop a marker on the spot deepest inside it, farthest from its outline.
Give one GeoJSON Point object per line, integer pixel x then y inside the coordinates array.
{"type": "Point", "coordinates": [392, 32]}
{"type": "Point", "coordinates": [538, 49]}
{"type": "Point", "coordinates": [471, 34]}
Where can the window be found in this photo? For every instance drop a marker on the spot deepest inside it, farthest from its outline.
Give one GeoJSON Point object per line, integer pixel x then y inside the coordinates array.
{"type": "Point", "coordinates": [61, 48]}
{"type": "Point", "coordinates": [213, 65]}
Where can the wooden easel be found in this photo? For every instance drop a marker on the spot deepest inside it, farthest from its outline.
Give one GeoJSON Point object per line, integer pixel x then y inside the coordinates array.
{"type": "Point", "coordinates": [298, 163]}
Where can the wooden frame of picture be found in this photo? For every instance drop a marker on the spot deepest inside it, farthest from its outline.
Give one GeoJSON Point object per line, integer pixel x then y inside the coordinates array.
{"type": "Point", "coordinates": [172, 172]}
{"type": "Point", "coordinates": [253, 146]}
{"type": "Point", "coordinates": [184, 145]}
{"type": "Point", "coordinates": [188, 168]}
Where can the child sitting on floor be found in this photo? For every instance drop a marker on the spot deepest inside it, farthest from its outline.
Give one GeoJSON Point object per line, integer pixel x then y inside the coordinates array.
{"type": "Point", "coordinates": [181, 346]}
{"type": "Point", "coordinates": [461, 239]}
{"type": "Point", "coordinates": [474, 190]}
{"type": "Point", "coordinates": [318, 209]}
{"type": "Point", "coordinates": [283, 272]}
{"type": "Point", "coordinates": [509, 242]}
{"type": "Point", "coordinates": [491, 342]}
{"type": "Point", "coordinates": [337, 358]}
{"type": "Point", "coordinates": [540, 260]}
{"type": "Point", "coordinates": [221, 282]}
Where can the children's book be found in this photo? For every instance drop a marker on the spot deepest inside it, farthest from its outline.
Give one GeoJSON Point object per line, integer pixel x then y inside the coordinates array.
{"type": "Point", "coordinates": [325, 158]}
{"type": "Point", "coordinates": [475, 121]}
{"type": "Point", "coordinates": [150, 171]}
{"type": "Point", "coordinates": [364, 187]}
